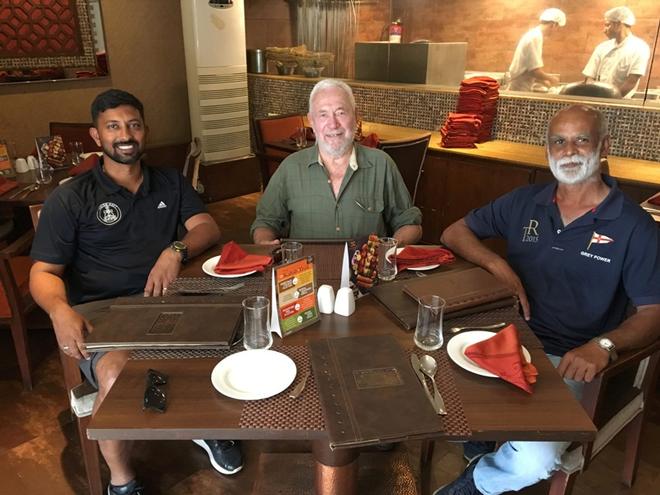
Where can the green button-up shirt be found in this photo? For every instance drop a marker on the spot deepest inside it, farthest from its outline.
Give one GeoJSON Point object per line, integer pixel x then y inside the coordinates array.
{"type": "Point", "coordinates": [299, 202]}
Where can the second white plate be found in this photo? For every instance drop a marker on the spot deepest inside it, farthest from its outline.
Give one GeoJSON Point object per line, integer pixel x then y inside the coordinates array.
{"type": "Point", "coordinates": [457, 345]}
{"type": "Point", "coordinates": [417, 268]}
{"type": "Point", "coordinates": [209, 268]}
{"type": "Point", "coordinates": [253, 375]}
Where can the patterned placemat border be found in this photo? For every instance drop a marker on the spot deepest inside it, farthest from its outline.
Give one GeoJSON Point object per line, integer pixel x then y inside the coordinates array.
{"type": "Point", "coordinates": [454, 422]}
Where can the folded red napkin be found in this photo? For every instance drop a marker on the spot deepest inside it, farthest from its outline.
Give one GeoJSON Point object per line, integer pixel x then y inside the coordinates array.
{"type": "Point", "coordinates": [502, 355]}
{"type": "Point", "coordinates": [7, 185]}
{"type": "Point", "coordinates": [87, 164]}
{"type": "Point", "coordinates": [655, 200]}
{"type": "Point", "coordinates": [234, 260]}
{"type": "Point", "coordinates": [413, 256]}
{"type": "Point", "coordinates": [370, 140]}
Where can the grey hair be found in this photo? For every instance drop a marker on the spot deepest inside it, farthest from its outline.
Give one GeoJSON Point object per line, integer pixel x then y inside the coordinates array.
{"type": "Point", "coordinates": [329, 84]}
{"type": "Point", "coordinates": [603, 127]}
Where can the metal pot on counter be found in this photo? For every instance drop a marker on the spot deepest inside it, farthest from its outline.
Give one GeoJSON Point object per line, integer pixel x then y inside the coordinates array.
{"type": "Point", "coordinates": [256, 61]}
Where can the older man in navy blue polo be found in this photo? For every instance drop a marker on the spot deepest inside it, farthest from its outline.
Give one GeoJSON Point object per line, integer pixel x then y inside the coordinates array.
{"type": "Point", "coordinates": [578, 251]}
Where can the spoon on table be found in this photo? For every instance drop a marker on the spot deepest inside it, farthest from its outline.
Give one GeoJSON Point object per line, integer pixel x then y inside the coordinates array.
{"type": "Point", "coordinates": [478, 327]}
{"type": "Point", "coordinates": [428, 366]}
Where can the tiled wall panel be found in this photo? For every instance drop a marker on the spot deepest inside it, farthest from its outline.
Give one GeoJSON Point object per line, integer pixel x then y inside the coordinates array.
{"type": "Point", "coordinates": [635, 131]}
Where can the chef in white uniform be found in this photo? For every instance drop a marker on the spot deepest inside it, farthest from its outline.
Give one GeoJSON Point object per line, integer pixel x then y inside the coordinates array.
{"type": "Point", "coordinates": [527, 65]}
{"type": "Point", "coordinates": [622, 59]}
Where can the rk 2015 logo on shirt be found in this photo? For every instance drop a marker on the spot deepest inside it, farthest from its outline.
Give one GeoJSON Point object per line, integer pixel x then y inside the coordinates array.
{"type": "Point", "coordinates": [530, 232]}
{"type": "Point", "coordinates": [108, 213]}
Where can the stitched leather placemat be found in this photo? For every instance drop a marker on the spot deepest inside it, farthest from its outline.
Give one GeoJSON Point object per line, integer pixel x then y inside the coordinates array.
{"type": "Point", "coordinates": [454, 423]}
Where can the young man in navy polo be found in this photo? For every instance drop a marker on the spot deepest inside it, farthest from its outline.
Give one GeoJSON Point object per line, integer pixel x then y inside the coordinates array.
{"type": "Point", "coordinates": [109, 232]}
{"type": "Point", "coordinates": [578, 251]}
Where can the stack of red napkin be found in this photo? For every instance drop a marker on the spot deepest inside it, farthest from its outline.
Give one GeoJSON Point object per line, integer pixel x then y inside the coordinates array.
{"type": "Point", "coordinates": [234, 260]}
{"type": "Point", "coordinates": [460, 130]}
{"type": "Point", "coordinates": [477, 102]}
{"type": "Point", "coordinates": [7, 185]}
{"type": "Point", "coordinates": [371, 140]}
{"type": "Point", "coordinates": [502, 355]}
{"type": "Point", "coordinates": [87, 164]}
{"type": "Point", "coordinates": [655, 200]}
{"type": "Point", "coordinates": [413, 257]}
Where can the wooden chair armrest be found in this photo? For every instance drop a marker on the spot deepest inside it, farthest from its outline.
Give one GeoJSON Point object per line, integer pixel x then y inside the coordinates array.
{"type": "Point", "coordinates": [630, 358]}
{"type": "Point", "coordinates": [19, 246]}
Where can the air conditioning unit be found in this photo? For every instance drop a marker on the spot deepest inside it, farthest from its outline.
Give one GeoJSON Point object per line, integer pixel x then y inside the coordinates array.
{"type": "Point", "coordinates": [214, 41]}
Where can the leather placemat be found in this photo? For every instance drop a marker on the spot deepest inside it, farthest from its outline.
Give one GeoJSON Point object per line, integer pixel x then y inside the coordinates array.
{"type": "Point", "coordinates": [454, 423]}
{"type": "Point", "coordinates": [328, 259]}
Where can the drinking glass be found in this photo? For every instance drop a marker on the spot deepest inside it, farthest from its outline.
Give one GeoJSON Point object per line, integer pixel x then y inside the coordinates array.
{"type": "Point", "coordinates": [387, 258]}
{"type": "Point", "coordinates": [76, 149]}
{"type": "Point", "coordinates": [301, 137]}
{"type": "Point", "coordinates": [428, 333]}
{"type": "Point", "coordinates": [256, 323]}
{"type": "Point", "coordinates": [291, 251]}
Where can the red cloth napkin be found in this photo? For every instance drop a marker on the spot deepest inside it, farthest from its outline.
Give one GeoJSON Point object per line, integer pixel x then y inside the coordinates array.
{"type": "Point", "coordinates": [370, 140]}
{"type": "Point", "coordinates": [7, 185]}
{"type": "Point", "coordinates": [413, 256]}
{"type": "Point", "coordinates": [87, 164]}
{"type": "Point", "coordinates": [234, 260]}
{"type": "Point", "coordinates": [502, 355]}
{"type": "Point", "coordinates": [655, 200]}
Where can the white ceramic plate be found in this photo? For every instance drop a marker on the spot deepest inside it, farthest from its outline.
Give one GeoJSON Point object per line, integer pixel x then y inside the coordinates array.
{"type": "Point", "coordinates": [456, 350]}
{"type": "Point", "coordinates": [252, 375]}
{"type": "Point", "coordinates": [418, 268]}
{"type": "Point", "coordinates": [209, 268]}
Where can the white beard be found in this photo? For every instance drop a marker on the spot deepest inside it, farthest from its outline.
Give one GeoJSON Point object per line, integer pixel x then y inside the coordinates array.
{"type": "Point", "coordinates": [335, 152]}
{"type": "Point", "coordinates": [589, 166]}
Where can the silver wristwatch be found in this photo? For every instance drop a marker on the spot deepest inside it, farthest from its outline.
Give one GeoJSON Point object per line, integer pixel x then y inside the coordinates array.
{"type": "Point", "coordinates": [608, 345]}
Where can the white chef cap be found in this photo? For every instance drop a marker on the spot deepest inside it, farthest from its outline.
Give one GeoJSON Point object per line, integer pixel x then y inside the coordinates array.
{"type": "Point", "coordinates": [620, 14]}
{"type": "Point", "coordinates": [554, 15]}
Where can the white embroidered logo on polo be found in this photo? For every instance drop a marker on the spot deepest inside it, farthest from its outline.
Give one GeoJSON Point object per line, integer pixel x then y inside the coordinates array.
{"type": "Point", "coordinates": [597, 238]}
{"type": "Point", "coordinates": [161, 205]}
{"type": "Point", "coordinates": [530, 233]}
{"type": "Point", "coordinates": [108, 213]}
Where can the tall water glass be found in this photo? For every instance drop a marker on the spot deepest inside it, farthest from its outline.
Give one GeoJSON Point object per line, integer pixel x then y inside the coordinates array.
{"type": "Point", "coordinates": [387, 258]}
{"type": "Point", "coordinates": [256, 323]}
{"type": "Point", "coordinates": [301, 137]}
{"type": "Point", "coordinates": [428, 333]}
{"type": "Point", "coordinates": [44, 172]}
{"type": "Point", "coordinates": [76, 149]}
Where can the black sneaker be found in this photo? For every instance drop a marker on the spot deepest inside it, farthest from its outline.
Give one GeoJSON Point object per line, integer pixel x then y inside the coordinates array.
{"type": "Point", "coordinates": [463, 485]}
{"type": "Point", "coordinates": [225, 455]}
{"type": "Point", "coordinates": [472, 450]}
{"type": "Point", "coordinates": [133, 487]}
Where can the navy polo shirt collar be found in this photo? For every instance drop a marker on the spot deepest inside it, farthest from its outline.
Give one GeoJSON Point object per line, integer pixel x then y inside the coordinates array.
{"type": "Point", "coordinates": [609, 209]}
{"type": "Point", "coordinates": [111, 187]}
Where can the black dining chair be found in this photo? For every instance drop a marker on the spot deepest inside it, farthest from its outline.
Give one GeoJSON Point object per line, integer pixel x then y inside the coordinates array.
{"type": "Point", "coordinates": [409, 155]}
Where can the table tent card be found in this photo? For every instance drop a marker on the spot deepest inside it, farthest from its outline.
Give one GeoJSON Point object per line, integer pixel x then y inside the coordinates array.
{"type": "Point", "coordinates": [293, 296]}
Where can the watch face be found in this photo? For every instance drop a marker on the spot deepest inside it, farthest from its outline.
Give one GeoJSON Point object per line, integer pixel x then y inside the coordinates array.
{"type": "Point", "coordinates": [179, 246]}
{"type": "Point", "coordinates": [606, 344]}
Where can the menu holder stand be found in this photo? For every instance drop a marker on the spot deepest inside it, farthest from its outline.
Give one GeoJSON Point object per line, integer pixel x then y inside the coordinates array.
{"type": "Point", "coordinates": [293, 296]}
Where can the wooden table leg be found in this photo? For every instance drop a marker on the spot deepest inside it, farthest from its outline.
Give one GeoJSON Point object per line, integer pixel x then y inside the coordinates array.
{"type": "Point", "coordinates": [336, 471]}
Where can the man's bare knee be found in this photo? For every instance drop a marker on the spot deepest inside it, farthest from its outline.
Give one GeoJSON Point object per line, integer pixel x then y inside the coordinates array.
{"type": "Point", "coordinates": [108, 369]}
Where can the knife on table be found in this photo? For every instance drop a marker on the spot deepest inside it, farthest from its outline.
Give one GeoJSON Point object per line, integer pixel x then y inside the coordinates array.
{"type": "Point", "coordinates": [414, 361]}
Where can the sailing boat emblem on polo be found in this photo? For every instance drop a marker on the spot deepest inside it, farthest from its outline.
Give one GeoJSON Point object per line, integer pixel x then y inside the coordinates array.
{"type": "Point", "coordinates": [108, 213]}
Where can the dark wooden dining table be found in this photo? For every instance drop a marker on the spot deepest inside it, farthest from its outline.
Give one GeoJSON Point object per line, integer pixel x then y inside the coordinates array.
{"type": "Point", "coordinates": [493, 409]}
